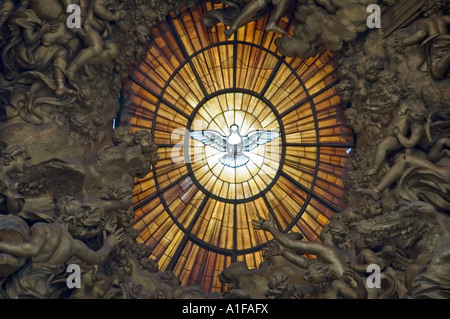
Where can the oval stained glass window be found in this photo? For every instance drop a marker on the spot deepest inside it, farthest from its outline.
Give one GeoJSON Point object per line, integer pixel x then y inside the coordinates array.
{"type": "Point", "coordinates": [194, 211]}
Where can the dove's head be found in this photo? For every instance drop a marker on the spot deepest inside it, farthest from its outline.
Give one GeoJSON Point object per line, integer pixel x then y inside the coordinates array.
{"type": "Point", "coordinates": [234, 129]}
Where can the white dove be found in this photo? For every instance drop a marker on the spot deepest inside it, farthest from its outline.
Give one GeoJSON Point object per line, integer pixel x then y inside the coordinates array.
{"type": "Point", "coordinates": [234, 145]}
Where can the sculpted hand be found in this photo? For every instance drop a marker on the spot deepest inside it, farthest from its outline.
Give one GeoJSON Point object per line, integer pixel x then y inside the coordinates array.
{"type": "Point", "coordinates": [116, 237]}
{"type": "Point", "coordinates": [46, 27]}
{"type": "Point", "coordinates": [273, 251]}
{"type": "Point", "coordinates": [107, 224]}
{"type": "Point", "coordinates": [102, 223]}
{"type": "Point", "coordinates": [263, 224]}
{"type": "Point", "coordinates": [443, 141]}
{"type": "Point", "coordinates": [395, 130]}
{"type": "Point", "coordinates": [3, 187]}
{"type": "Point", "coordinates": [119, 15]}
{"type": "Point", "coordinates": [399, 46]}
{"type": "Point", "coordinates": [81, 33]}
{"type": "Point", "coordinates": [351, 274]}
{"type": "Point", "coordinates": [54, 26]}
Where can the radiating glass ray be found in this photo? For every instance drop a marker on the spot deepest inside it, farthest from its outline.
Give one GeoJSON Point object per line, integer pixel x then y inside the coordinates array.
{"type": "Point", "coordinates": [198, 266]}
{"type": "Point", "coordinates": [252, 260]}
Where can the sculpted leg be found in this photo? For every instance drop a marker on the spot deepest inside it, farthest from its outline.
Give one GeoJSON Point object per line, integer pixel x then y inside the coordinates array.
{"type": "Point", "coordinates": [94, 49]}
{"type": "Point", "coordinates": [328, 5]}
{"type": "Point", "coordinates": [440, 68]}
{"type": "Point", "coordinates": [388, 145]}
{"type": "Point", "coordinates": [60, 65]}
{"type": "Point", "coordinates": [276, 15]}
{"type": "Point", "coordinates": [246, 15]}
{"type": "Point", "coordinates": [394, 174]}
{"type": "Point", "coordinates": [110, 52]}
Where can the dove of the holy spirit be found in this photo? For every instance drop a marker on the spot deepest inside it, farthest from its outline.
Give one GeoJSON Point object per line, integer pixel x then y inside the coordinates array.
{"type": "Point", "coordinates": [234, 145]}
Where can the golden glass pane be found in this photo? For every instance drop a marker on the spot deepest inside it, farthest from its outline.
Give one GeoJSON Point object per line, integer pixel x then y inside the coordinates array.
{"type": "Point", "coordinates": [219, 114]}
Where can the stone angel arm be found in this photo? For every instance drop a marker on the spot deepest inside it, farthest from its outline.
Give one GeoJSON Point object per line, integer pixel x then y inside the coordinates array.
{"type": "Point", "coordinates": [346, 291]}
{"type": "Point", "coordinates": [98, 257]}
{"type": "Point", "coordinates": [33, 35]}
{"type": "Point", "coordinates": [28, 249]}
{"type": "Point", "coordinates": [366, 258]}
{"type": "Point", "coordinates": [283, 239]}
{"type": "Point", "coordinates": [415, 38]}
{"type": "Point", "coordinates": [297, 260]}
{"type": "Point", "coordinates": [417, 131]}
{"type": "Point", "coordinates": [438, 151]}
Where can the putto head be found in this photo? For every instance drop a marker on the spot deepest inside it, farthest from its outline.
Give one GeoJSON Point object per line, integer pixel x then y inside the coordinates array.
{"type": "Point", "coordinates": [14, 157]}
{"type": "Point", "coordinates": [433, 7]}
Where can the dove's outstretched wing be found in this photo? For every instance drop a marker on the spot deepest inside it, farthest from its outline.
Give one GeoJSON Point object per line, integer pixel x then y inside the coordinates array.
{"type": "Point", "coordinates": [256, 138]}
{"type": "Point", "coordinates": [211, 138]}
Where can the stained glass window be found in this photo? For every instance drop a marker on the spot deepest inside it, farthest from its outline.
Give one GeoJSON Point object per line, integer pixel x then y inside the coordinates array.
{"type": "Point", "coordinates": [192, 210]}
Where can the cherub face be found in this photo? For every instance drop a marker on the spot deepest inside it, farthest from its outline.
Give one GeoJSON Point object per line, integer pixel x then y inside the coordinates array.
{"type": "Point", "coordinates": [317, 278]}
{"type": "Point", "coordinates": [345, 90]}
{"type": "Point", "coordinates": [18, 164]}
{"type": "Point", "coordinates": [123, 218]}
{"type": "Point", "coordinates": [142, 34]}
{"type": "Point", "coordinates": [373, 242]}
{"type": "Point", "coordinates": [5, 11]}
{"type": "Point", "coordinates": [372, 75]}
{"type": "Point", "coordinates": [403, 109]}
{"type": "Point", "coordinates": [433, 8]}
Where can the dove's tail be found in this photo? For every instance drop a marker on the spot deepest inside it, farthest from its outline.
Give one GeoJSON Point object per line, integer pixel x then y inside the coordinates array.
{"type": "Point", "coordinates": [234, 160]}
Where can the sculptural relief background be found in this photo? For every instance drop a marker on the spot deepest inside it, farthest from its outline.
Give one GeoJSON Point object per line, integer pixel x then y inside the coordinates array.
{"type": "Point", "coordinates": [67, 175]}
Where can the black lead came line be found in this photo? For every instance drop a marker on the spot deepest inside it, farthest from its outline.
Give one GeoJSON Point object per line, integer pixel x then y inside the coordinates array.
{"type": "Point", "coordinates": [160, 98]}
{"type": "Point", "coordinates": [176, 256]}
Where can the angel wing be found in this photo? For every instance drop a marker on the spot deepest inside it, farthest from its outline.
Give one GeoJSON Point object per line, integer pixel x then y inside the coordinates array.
{"type": "Point", "coordinates": [256, 138]}
{"type": "Point", "coordinates": [211, 138]}
{"type": "Point", "coordinates": [52, 175]}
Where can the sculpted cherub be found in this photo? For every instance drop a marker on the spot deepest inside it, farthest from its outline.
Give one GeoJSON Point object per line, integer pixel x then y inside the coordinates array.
{"type": "Point", "coordinates": [94, 29]}
{"type": "Point", "coordinates": [51, 245]}
{"type": "Point", "coordinates": [320, 277]}
{"type": "Point", "coordinates": [121, 136]}
{"type": "Point", "coordinates": [434, 37]}
{"type": "Point", "coordinates": [281, 286]}
{"type": "Point", "coordinates": [413, 170]}
{"type": "Point", "coordinates": [25, 52]}
{"type": "Point", "coordinates": [12, 161]}
{"type": "Point", "coordinates": [408, 121]}
{"type": "Point", "coordinates": [327, 253]}
{"type": "Point", "coordinates": [73, 214]}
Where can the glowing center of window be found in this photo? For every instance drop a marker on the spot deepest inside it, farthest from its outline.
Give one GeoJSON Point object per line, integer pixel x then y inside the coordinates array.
{"type": "Point", "coordinates": [235, 149]}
